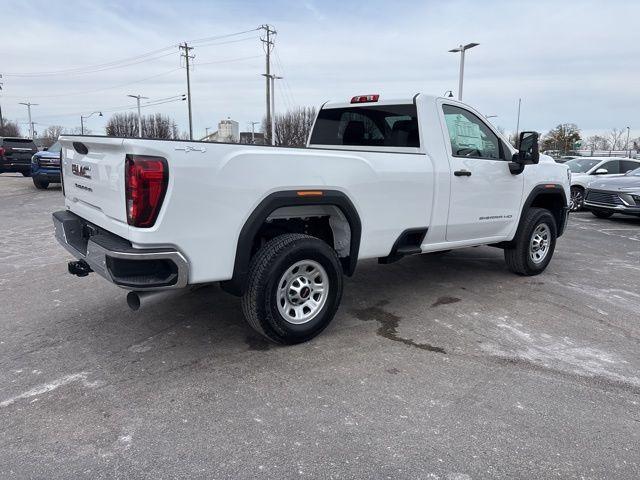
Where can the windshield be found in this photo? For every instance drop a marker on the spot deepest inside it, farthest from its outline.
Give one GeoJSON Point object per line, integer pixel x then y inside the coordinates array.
{"type": "Point", "coordinates": [634, 173]}
{"type": "Point", "coordinates": [581, 165]}
{"type": "Point", "coordinates": [55, 148]}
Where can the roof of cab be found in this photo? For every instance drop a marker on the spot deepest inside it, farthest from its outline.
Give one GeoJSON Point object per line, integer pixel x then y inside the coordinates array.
{"type": "Point", "coordinates": [381, 101]}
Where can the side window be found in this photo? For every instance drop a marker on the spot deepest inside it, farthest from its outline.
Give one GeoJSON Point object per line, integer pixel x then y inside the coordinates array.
{"type": "Point", "coordinates": [612, 167]}
{"type": "Point", "coordinates": [470, 136]}
{"type": "Point", "coordinates": [628, 165]}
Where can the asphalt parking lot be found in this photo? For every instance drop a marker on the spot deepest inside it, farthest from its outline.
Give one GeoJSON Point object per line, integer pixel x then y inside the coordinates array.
{"type": "Point", "coordinates": [442, 367]}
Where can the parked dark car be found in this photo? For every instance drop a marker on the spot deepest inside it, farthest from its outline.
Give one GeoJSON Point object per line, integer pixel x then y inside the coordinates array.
{"type": "Point", "coordinates": [45, 167]}
{"type": "Point", "coordinates": [15, 155]}
{"type": "Point", "coordinates": [614, 195]}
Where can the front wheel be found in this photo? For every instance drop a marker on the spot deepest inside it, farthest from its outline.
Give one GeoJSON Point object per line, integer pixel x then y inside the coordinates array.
{"type": "Point", "coordinates": [534, 243]}
{"type": "Point", "coordinates": [40, 184]}
{"type": "Point", "coordinates": [294, 288]}
{"type": "Point", "coordinates": [601, 213]}
{"type": "Point", "coordinates": [577, 199]}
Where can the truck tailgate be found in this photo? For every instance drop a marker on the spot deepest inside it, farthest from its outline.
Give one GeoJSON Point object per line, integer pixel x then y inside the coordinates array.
{"type": "Point", "coordinates": [93, 175]}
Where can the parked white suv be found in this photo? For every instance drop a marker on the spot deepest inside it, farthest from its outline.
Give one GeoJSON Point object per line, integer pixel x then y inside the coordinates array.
{"type": "Point", "coordinates": [280, 226]}
{"type": "Point", "coordinates": [584, 170]}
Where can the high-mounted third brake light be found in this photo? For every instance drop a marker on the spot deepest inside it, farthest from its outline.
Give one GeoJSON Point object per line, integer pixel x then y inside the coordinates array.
{"type": "Point", "coordinates": [365, 98]}
{"type": "Point", "coordinates": [146, 180]}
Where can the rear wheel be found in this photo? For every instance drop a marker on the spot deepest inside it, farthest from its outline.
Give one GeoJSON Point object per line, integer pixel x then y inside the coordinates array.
{"type": "Point", "coordinates": [534, 243]}
{"type": "Point", "coordinates": [40, 184]}
{"type": "Point", "coordinates": [577, 199]}
{"type": "Point", "coordinates": [602, 213]}
{"type": "Point", "coordinates": [294, 288]}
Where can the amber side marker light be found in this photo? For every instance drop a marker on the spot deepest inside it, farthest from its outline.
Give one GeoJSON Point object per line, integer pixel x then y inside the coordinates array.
{"type": "Point", "coordinates": [310, 193]}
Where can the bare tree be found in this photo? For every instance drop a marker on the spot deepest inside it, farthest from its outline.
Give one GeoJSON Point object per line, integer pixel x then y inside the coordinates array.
{"type": "Point", "coordinates": [153, 126]}
{"type": "Point", "coordinates": [9, 129]}
{"type": "Point", "coordinates": [597, 142]}
{"type": "Point", "coordinates": [51, 134]}
{"type": "Point", "coordinates": [615, 139]}
{"type": "Point", "coordinates": [292, 128]}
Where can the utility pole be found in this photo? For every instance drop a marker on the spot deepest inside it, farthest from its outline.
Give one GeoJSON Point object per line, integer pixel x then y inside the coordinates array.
{"type": "Point", "coordinates": [184, 52]}
{"type": "Point", "coordinates": [272, 125]}
{"type": "Point", "coordinates": [29, 105]}
{"type": "Point", "coordinates": [138, 97]}
{"type": "Point", "coordinates": [267, 42]}
{"type": "Point", "coordinates": [518, 122]}
{"type": "Point", "coordinates": [1, 119]}
{"type": "Point", "coordinates": [253, 132]}
{"type": "Point", "coordinates": [462, 49]}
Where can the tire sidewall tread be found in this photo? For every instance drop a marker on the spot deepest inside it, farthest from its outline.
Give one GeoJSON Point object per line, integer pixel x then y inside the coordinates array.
{"type": "Point", "coordinates": [265, 271]}
{"type": "Point", "coordinates": [517, 257]}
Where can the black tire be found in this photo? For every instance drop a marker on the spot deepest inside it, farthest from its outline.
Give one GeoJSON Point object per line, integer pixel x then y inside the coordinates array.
{"type": "Point", "coordinates": [519, 258]}
{"type": "Point", "coordinates": [577, 199]}
{"type": "Point", "coordinates": [602, 213]}
{"type": "Point", "coordinates": [40, 184]}
{"type": "Point", "coordinates": [25, 174]}
{"type": "Point", "coordinates": [267, 268]}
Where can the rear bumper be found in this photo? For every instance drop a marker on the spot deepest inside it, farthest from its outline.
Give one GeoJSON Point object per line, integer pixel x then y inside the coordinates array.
{"type": "Point", "coordinates": [14, 164]}
{"type": "Point", "coordinates": [114, 258]}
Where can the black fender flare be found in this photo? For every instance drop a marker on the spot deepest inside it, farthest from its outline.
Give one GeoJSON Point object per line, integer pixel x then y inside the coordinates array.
{"type": "Point", "coordinates": [549, 189]}
{"type": "Point", "coordinates": [290, 198]}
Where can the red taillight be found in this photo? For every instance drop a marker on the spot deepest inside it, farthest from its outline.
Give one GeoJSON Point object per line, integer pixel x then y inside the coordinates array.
{"type": "Point", "coordinates": [146, 180]}
{"type": "Point", "coordinates": [1, 151]}
{"type": "Point", "coordinates": [365, 98]}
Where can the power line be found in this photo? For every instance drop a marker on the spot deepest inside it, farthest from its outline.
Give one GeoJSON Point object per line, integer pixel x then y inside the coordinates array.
{"type": "Point", "coordinates": [144, 57]}
{"type": "Point", "coordinates": [71, 94]}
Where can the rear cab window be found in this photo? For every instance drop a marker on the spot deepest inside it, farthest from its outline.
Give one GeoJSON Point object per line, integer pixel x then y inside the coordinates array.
{"type": "Point", "coordinates": [368, 126]}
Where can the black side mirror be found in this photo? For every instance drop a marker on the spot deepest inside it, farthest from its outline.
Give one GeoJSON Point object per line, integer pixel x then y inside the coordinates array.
{"type": "Point", "coordinates": [528, 148]}
{"type": "Point", "coordinates": [45, 149]}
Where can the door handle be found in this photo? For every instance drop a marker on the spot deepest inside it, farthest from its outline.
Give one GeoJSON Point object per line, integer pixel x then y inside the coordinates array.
{"type": "Point", "coordinates": [462, 173]}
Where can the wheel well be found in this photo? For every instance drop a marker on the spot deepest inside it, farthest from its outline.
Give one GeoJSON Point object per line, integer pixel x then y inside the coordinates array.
{"type": "Point", "coordinates": [326, 222]}
{"type": "Point", "coordinates": [579, 187]}
{"type": "Point", "coordinates": [328, 215]}
{"type": "Point", "coordinates": [555, 203]}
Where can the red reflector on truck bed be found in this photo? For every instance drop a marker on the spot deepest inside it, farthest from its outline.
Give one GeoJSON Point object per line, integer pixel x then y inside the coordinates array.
{"type": "Point", "coordinates": [146, 179]}
{"type": "Point", "coordinates": [365, 98]}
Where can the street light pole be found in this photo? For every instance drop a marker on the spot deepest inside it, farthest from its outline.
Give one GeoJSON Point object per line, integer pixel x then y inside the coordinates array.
{"type": "Point", "coordinates": [253, 132]}
{"type": "Point", "coordinates": [29, 105]}
{"type": "Point", "coordinates": [626, 145]}
{"type": "Point", "coordinates": [462, 49]}
{"type": "Point", "coordinates": [82, 117]}
{"type": "Point", "coordinates": [138, 97]}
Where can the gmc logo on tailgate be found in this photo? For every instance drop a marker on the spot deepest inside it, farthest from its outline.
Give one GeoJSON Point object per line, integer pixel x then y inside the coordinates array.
{"type": "Point", "coordinates": [81, 170]}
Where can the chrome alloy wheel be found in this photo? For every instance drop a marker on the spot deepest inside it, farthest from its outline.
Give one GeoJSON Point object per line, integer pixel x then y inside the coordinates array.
{"type": "Point", "coordinates": [540, 243]}
{"type": "Point", "coordinates": [576, 200]}
{"type": "Point", "coordinates": [302, 291]}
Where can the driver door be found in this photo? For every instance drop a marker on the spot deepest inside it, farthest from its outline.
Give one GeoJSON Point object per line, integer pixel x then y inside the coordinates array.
{"type": "Point", "coordinates": [485, 195]}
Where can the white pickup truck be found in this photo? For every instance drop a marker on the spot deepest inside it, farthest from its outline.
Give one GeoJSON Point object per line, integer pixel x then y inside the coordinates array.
{"type": "Point", "coordinates": [281, 226]}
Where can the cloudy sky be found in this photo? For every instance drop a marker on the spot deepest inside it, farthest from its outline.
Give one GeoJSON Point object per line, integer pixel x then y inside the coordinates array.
{"type": "Point", "coordinates": [569, 61]}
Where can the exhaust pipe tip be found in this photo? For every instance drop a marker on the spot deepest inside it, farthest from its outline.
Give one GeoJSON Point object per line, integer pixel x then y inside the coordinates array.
{"type": "Point", "coordinates": [133, 300]}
